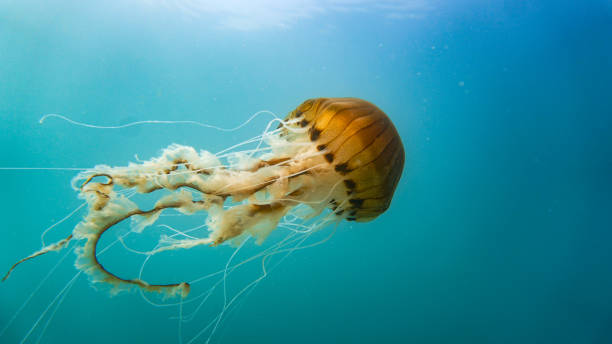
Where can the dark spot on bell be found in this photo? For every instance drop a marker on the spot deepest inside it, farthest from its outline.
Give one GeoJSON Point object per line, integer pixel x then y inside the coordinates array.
{"type": "Point", "coordinates": [303, 123]}
{"type": "Point", "coordinates": [342, 168]}
{"type": "Point", "coordinates": [356, 202]}
{"type": "Point", "coordinates": [298, 113]}
{"type": "Point", "coordinates": [340, 212]}
{"type": "Point", "coordinates": [329, 157]}
{"type": "Point", "coordinates": [321, 147]}
{"type": "Point", "coordinates": [314, 134]}
{"type": "Point", "coordinates": [353, 213]}
{"type": "Point", "coordinates": [351, 219]}
{"type": "Point", "coordinates": [350, 184]}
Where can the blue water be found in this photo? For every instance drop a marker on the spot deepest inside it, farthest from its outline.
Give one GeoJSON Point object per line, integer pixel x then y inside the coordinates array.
{"type": "Point", "coordinates": [499, 231]}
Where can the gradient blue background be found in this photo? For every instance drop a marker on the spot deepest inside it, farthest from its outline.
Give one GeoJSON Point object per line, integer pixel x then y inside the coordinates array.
{"type": "Point", "coordinates": [500, 229]}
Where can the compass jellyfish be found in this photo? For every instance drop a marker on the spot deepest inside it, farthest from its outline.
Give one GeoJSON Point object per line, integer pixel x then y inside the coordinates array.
{"type": "Point", "coordinates": [338, 158]}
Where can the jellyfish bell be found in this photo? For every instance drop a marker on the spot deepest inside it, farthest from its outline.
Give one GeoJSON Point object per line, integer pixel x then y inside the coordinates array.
{"type": "Point", "coordinates": [330, 158]}
{"type": "Point", "coordinates": [360, 146]}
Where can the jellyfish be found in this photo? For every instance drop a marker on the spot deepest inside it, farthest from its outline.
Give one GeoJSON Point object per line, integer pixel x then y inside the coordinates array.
{"type": "Point", "coordinates": [338, 156]}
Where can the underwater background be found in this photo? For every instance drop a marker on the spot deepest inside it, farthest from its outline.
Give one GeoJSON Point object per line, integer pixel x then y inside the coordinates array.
{"type": "Point", "coordinates": [500, 230]}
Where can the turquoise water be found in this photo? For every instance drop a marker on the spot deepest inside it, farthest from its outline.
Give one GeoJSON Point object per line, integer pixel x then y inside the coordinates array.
{"type": "Point", "coordinates": [499, 231]}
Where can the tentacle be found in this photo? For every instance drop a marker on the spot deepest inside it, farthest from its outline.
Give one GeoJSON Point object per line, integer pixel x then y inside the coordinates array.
{"type": "Point", "coordinates": [52, 247]}
{"type": "Point", "coordinates": [284, 178]}
{"type": "Point", "coordinates": [118, 209]}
